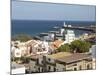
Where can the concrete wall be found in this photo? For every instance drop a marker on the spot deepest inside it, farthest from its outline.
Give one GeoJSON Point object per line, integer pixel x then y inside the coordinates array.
{"type": "Point", "coordinates": [32, 66]}
{"type": "Point", "coordinates": [82, 65]}
{"type": "Point", "coordinates": [50, 60]}
{"type": "Point", "coordinates": [50, 68]}
{"type": "Point", "coordinates": [40, 60]}
{"type": "Point", "coordinates": [60, 67]}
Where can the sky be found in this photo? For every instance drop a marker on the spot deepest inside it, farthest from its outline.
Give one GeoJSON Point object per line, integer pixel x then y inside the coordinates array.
{"type": "Point", "coordinates": [22, 10]}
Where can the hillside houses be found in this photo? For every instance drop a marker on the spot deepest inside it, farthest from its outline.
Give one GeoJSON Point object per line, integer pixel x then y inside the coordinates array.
{"type": "Point", "coordinates": [29, 47]}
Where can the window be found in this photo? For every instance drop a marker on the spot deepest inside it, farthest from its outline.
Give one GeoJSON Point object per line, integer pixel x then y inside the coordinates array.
{"type": "Point", "coordinates": [89, 67]}
{"type": "Point", "coordinates": [37, 61]}
{"type": "Point", "coordinates": [38, 69]}
{"type": "Point", "coordinates": [42, 61]}
{"type": "Point", "coordinates": [49, 59]}
{"type": "Point", "coordinates": [75, 69]}
{"type": "Point", "coordinates": [80, 67]}
{"type": "Point", "coordinates": [42, 70]}
{"type": "Point", "coordinates": [44, 49]}
{"type": "Point", "coordinates": [54, 69]}
{"type": "Point", "coordinates": [49, 68]}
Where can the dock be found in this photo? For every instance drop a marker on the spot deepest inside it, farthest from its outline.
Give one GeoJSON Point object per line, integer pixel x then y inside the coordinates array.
{"type": "Point", "coordinates": [92, 29]}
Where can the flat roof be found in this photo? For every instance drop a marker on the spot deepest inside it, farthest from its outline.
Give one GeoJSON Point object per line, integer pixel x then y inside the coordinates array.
{"type": "Point", "coordinates": [36, 56]}
{"type": "Point", "coordinates": [59, 55]}
{"type": "Point", "coordinates": [74, 57]}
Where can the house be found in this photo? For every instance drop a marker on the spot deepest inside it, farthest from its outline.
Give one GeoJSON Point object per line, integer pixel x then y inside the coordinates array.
{"type": "Point", "coordinates": [62, 61]}
{"type": "Point", "coordinates": [29, 47]}
{"type": "Point", "coordinates": [18, 49]}
{"type": "Point", "coordinates": [38, 47]}
{"type": "Point", "coordinates": [56, 44]}
{"type": "Point", "coordinates": [16, 52]}
{"type": "Point", "coordinates": [36, 63]}
{"type": "Point", "coordinates": [51, 61]}
{"type": "Point", "coordinates": [74, 62]}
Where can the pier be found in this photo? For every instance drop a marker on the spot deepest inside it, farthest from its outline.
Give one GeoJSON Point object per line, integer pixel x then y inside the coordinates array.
{"type": "Point", "coordinates": [86, 28]}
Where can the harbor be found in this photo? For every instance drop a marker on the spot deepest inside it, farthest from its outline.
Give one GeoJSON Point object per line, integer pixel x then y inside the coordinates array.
{"type": "Point", "coordinates": [59, 32]}
{"type": "Point", "coordinates": [50, 37]}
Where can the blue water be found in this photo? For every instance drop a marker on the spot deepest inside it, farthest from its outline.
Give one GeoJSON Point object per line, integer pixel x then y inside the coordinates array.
{"type": "Point", "coordinates": [33, 27]}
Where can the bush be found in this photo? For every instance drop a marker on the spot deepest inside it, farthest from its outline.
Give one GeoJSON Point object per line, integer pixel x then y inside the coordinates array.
{"type": "Point", "coordinates": [80, 46]}
{"type": "Point", "coordinates": [64, 48]}
{"type": "Point", "coordinates": [76, 46]}
{"type": "Point", "coordinates": [22, 37]}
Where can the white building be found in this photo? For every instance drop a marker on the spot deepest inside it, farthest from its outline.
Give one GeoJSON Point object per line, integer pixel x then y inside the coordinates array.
{"type": "Point", "coordinates": [16, 52]}
{"type": "Point", "coordinates": [51, 36]}
{"type": "Point", "coordinates": [41, 47]}
{"type": "Point", "coordinates": [19, 49]}
{"type": "Point", "coordinates": [69, 36]}
{"type": "Point", "coordinates": [62, 30]}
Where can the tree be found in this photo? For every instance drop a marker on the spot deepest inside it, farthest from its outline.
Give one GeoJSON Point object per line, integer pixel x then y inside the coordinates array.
{"type": "Point", "coordinates": [80, 46]}
{"type": "Point", "coordinates": [22, 37]}
{"type": "Point", "coordinates": [64, 48]}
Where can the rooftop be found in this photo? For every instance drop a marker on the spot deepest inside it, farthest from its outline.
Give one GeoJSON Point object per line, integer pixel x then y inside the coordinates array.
{"type": "Point", "coordinates": [31, 42]}
{"type": "Point", "coordinates": [56, 44]}
{"type": "Point", "coordinates": [36, 56]}
{"type": "Point", "coordinates": [74, 57]}
{"type": "Point", "coordinates": [59, 55]}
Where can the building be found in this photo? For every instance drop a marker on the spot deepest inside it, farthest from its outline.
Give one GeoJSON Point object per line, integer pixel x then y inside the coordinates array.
{"type": "Point", "coordinates": [36, 64]}
{"type": "Point", "coordinates": [69, 62]}
{"type": "Point", "coordinates": [69, 36]}
{"type": "Point", "coordinates": [66, 34]}
{"type": "Point", "coordinates": [40, 47]}
{"type": "Point", "coordinates": [19, 49]}
{"type": "Point", "coordinates": [51, 61]}
{"type": "Point", "coordinates": [16, 52]}
{"type": "Point", "coordinates": [29, 47]}
{"type": "Point", "coordinates": [74, 62]}
{"type": "Point", "coordinates": [61, 61]}
{"type": "Point", "coordinates": [63, 34]}
{"type": "Point", "coordinates": [56, 44]}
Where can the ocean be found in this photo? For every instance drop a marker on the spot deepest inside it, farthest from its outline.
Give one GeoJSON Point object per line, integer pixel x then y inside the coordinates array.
{"type": "Point", "coordinates": [35, 27]}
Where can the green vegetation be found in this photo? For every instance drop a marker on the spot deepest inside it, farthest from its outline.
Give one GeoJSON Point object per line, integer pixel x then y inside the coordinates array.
{"type": "Point", "coordinates": [64, 48]}
{"type": "Point", "coordinates": [15, 59]}
{"type": "Point", "coordinates": [22, 37]}
{"type": "Point", "coordinates": [21, 59]}
{"type": "Point", "coordinates": [80, 46]}
{"type": "Point", "coordinates": [76, 46]}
